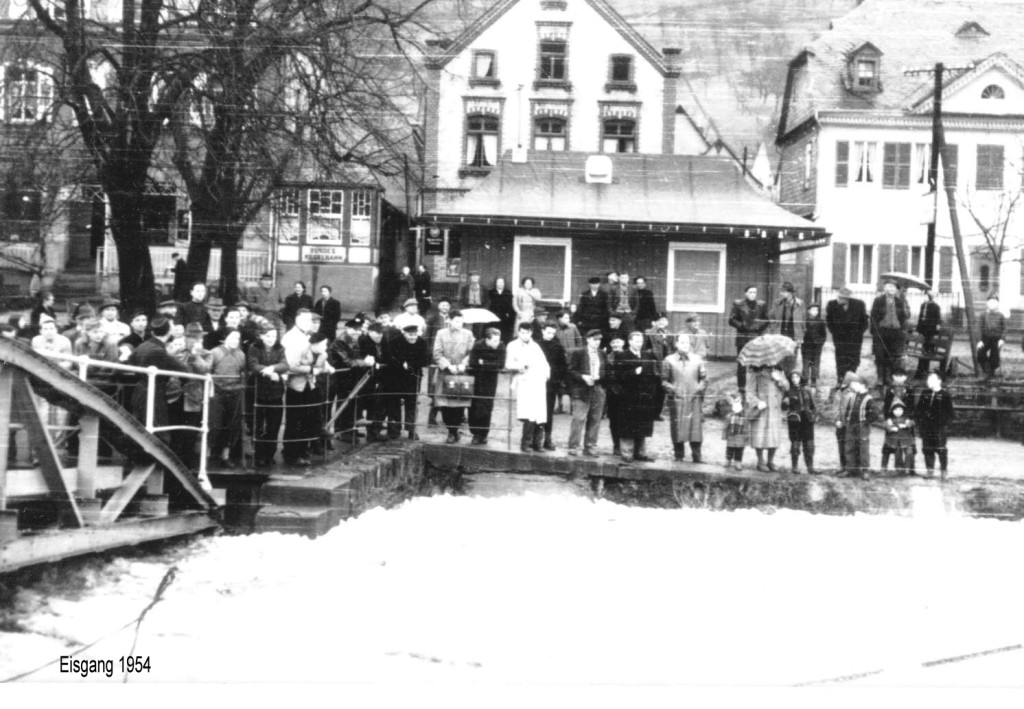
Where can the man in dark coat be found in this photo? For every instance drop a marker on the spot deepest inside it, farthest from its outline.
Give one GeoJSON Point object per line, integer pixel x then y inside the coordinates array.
{"type": "Point", "coordinates": [643, 304]}
{"type": "Point", "coordinates": [591, 312]}
{"type": "Point", "coordinates": [349, 366]}
{"type": "Point", "coordinates": [404, 360]}
{"type": "Point", "coordinates": [500, 301]}
{"type": "Point", "coordinates": [153, 353]}
{"type": "Point", "coordinates": [195, 310]}
{"type": "Point", "coordinates": [586, 373]}
{"type": "Point", "coordinates": [847, 319]}
{"type": "Point", "coordinates": [640, 378]}
{"type": "Point", "coordinates": [474, 295]}
{"type": "Point", "coordinates": [749, 316]}
{"type": "Point", "coordinates": [371, 401]}
{"type": "Point", "coordinates": [555, 355]}
{"type": "Point", "coordinates": [933, 413]}
{"type": "Point", "coordinates": [181, 275]}
{"type": "Point", "coordinates": [929, 324]}
{"type": "Point", "coordinates": [329, 310]}
{"type": "Point", "coordinates": [613, 328]}
{"type": "Point", "coordinates": [486, 360]}
{"type": "Point", "coordinates": [421, 285]}
{"type": "Point", "coordinates": [889, 315]}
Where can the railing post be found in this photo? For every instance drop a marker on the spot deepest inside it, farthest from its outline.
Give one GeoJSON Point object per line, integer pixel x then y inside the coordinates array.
{"type": "Point", "coordinates": [203, 480]}
{"type": "Point", "coordinates": [150, 397]}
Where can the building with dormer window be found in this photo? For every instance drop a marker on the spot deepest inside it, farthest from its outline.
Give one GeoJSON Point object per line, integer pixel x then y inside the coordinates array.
{"type": "Point", "coordinates": [855, 139]}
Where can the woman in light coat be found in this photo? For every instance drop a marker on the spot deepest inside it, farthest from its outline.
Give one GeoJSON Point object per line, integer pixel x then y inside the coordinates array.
{"type": "Point", "coordinates": [684, 377]}
{"type": "Point", "coordinates": [525, 301]}
{"type": "Point", "coordinates": [765, 389]}
{"type": "Point", "coordinates": [526, 359]}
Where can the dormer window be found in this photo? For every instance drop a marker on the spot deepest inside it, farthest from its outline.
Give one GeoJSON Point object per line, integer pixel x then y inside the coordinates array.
{"type": "Point", "coordinates": [993, 91]}
{"type": "Point", "coordinates": [864, 69]}
{"type": "Point", "coordinates": [971, 30]}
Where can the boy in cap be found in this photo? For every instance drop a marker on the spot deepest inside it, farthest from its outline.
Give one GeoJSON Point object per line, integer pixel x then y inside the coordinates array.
{"type": "Point", "coordinates": [699, 337]}
{"type": "Point", "coordinates": [815, 334]}
{"type": "Point", "coordinates": [855, 417]}
{"type": "Point", "coordinates": [801, 413]}
{"type": "Point", "coordinates": [899, 439]}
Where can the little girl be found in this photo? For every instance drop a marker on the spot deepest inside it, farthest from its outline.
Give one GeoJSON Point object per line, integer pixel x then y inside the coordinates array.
{"type": "Point", "coordinates": [899, 440]}
{"type": "Point", "coordinates": [736, 433]}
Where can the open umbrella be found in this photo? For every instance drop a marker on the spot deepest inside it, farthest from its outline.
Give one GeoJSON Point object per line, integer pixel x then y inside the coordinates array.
{"type": "Point", "coordinates": [767, 351]}
{"type": "Point", "coordinates": [904, 280]}
{"type": "Point", "coordinates": [472, 316]}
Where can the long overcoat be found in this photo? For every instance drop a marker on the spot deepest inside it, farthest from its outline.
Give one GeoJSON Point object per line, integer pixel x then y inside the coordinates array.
{"type": "Point", "coordinates": [682, 377]}
{"type": "Point", "coordinates": [640, 392]}
{"type": "Point", "coordinates": [528, 387]}
{"type": "Point", "coordinates": [451, 347]}
{"type": "Point", "coordinates": [768, 425]}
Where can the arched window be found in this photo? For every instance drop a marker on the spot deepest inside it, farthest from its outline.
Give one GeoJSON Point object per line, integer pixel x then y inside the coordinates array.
{"type": "Point", "coordinates": [984, 277]}
{"type": "Point", "coordinates": [549, 133]}
{"type": "Point", "coordinates": [993, 91]}
{"type": "Point", "coordinates": [618, 136]}
{"type": "Point", "coordinates": [482, 140]}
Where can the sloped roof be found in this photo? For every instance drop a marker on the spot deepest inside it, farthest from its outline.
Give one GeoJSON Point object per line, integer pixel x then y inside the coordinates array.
{"type": "Point", "coordinates": [667, 190]}
{"type": "Point", "coordinates": [613, 18]}
{"type": "Point", "coordinates": [912, 34]}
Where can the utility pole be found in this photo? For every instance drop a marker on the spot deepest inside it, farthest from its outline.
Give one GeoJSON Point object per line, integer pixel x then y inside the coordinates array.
{"type": "Point", "coordinates": [938, 150]}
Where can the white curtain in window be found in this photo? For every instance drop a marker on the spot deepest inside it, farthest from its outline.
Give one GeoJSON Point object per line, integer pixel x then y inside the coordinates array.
{"type": "Point", "coordinates": [610, 145]}
{"type": "Point", "coordinates": [865, 158]}
{"type": "Point", "coordinates": [923, 151]}
{"type": "Point", "coordinates": [490, 143]}
{"type": "Point", "coordinates": [484, 62]}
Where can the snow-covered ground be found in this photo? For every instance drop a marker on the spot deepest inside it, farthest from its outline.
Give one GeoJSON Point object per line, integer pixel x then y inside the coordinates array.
{"type": "Point", "coordinates": [552, 588]}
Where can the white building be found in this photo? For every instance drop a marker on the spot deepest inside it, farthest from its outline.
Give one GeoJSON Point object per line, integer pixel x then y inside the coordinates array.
{"type": "Point", "coordinates": [855, 141]}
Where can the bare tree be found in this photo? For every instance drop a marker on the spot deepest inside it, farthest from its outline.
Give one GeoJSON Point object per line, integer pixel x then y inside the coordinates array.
{"type": "Point", "coordinates": [296, 90]}
{"type": "Point", "coordinates": [994, 213]}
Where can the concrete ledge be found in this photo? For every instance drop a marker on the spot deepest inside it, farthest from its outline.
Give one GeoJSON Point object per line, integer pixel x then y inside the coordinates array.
{"type": "Point", "coordinates": [307, 521]}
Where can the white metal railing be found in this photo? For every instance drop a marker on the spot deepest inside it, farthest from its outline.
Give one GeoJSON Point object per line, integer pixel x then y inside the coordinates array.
{"type": "Point", "coordinates": [152, 373]}
{"type": "Point", "coordinates": [250, 263]}
{"type": "Point", "coordinates": [21, 253]}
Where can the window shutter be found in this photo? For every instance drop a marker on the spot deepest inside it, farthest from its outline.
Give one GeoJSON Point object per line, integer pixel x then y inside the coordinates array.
{"type": "Point", "coordinates": [901, 258]}
{"type": "Point", "coordinates": [839, 251]}
{"type": "Point", "coordinates": [884, 258]}
{"type": "Point", "coordinates": [1022, 279]}
{"type": "Point", "coordinates": [945, 269]}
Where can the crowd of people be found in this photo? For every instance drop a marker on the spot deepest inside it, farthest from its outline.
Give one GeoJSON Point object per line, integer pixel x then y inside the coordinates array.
{"type": "Point", "coordinates": [287, 369]}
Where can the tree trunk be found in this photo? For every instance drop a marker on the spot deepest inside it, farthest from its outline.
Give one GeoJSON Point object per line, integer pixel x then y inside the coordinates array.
{"type": "Point", "coordinates": [229, 269]}
{"type": "Point", "coordinates": [198, 257]}
{"type": "Point", "coordinates": [137, 287]}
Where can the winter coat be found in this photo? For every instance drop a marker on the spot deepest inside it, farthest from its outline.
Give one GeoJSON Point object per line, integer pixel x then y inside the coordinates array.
{"type": "Point", "coordinates": [529, 386]}
{"type": "Point", "coordinates": [403, 365]}
{"type": "Point", "coordinates": [592, 311]}
{"type": "Point", "coordinates": [848, 324]}
{"type": "Point", "coordinates": [293, 303]}
{"type": "Point", "coordinates": [485, 364]}
{"type": "Point", "coordinates": [929, 319]}
{"type": "Point", "coordinates": [329, 311]}
{"type": "Point", "coordinates": [767, 425]}
{"type": "Point", "coordinates": [639, 399]}
{"type": "Point", "coordinates": [570, 337]}
{"type": "Point", "coordinates": [750, 319]}
{"type": "Point", "coordinates": [258, 359]}
{"type": "Point", "coordinates": [578, 366]}
{"type": "Point", "coordinates": [683, 378]}
{"type": "Point", "coordinates": [899, 434]}
{"type": "Point", "coordinates": [555, 354]}
{"type": "Point", "coordinates": [451, 348]}
{"type": "Point", "coordinates": [799, 316]}
{"type": "Point", "coordinates": [661, 344]}
{"type": "Point", "coordinates": [153, 353]}
{"type": "Point", "coordinates": [933, 413]}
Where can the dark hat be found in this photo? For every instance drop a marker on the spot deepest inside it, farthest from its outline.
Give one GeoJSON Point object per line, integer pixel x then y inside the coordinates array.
{"type": "Point", "coordinates": [787, 286]}
{"type": "Point", "coordinates": [410, 301]}
{"type": "Point", "coordinates": [317, 337]}
{"type": "Point", "coordinates": [594, 279]}
{"type": "Point", "coordinates": [814, 305]}
{"type": "Point", "coordinates": [84, 310]}
{"type": "Point", "coordinates": [616, 336]}
{"type": "Point", "coordinates": [267, 274]}
{"type": "Point", "coordinates": [169, 303]}
{"type": "Point", "coordinates": [160, 326]}
{"type": "Point", "coordinates": [136, 312]}
{"type": "Point", "coordinates": [354, 324]}
{"type": "Point", "coordinates": [411, 328]}
{"type": "Point", "coordinates": [692, 316]}
{"type": "Point", "coordinates": [110, 303]}
{"type": "Point", "coordinates": [594, 332]}
{"type": "Point", "coordinates": [194, 329]}
{"type": "Point", "coordinates": [266, 326]}
{"type": "Point", "coordinates": [375, 327]}
{"type": "Point", "coordinates": [454, 313]}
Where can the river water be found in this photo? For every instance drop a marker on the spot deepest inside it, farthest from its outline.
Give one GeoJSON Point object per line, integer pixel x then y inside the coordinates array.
{"type": "Point", "coordinates": [532, 582]}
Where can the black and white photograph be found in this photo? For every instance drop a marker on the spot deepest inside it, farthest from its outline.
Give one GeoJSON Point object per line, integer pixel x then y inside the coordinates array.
{"type": "Point", "coordinates": [617, 351]}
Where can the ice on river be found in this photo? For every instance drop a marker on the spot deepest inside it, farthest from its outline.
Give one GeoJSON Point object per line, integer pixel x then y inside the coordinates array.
{"type": "Point", "coordinates": [537, 589]}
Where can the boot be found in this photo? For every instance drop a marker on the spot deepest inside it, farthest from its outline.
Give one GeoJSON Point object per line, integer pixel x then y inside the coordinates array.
{"type": "Point", "coordinates": [695, 451]}
{"type": "Point", "coordinates": [809, 458]}
{"type": "Point", "coordinates": [760, 460]}
{"type": "Point", "coordinates": [795, 458]}
{"type": "Point", "coordinates": [680, 451]}
{"type": "Point", "coordinates": [549, 445]}
{"type": "Point", "coordinates": [638, 451]}
{"type": "Point", "coordinates": [771, 460]}
{"type": "Point", "coordinates": [527, 440]}
{"type": "Point", "coordinates": [943, 463]}
{"type": "Point", "coordinates": [538, 437]}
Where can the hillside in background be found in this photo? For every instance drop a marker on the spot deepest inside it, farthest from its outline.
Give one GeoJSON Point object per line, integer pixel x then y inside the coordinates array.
{"type": "Point", "coordinates": [734, 53]}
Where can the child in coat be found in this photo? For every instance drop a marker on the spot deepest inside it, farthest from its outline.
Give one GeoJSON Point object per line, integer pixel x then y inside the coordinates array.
{"type": "Point", "coordinates": [855, 416]}
{"type": "Point", "coordinates": [814, 340]}
{"type": "Point", "coordinates": [736, 433]}
{"type": "Point", "coordinates": [801, 413]}
{"type": "Point", "coordinates": [899, 440]}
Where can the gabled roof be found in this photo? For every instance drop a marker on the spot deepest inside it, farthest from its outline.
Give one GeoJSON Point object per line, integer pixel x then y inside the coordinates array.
{"type": "Point", "coordinates": [647, 190]}
{"type": "Point", "coordinates": [959, 79]}
{"type": "Point", "coordinates": [613, 18]}
{"type": "Point", "coordinates": [913, 34]}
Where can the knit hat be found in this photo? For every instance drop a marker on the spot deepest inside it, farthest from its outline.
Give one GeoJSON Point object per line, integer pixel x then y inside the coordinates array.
{"type": "Point", "coordinates": [410, 301]}
{"type": "Point", "coordinates": [160, 327]}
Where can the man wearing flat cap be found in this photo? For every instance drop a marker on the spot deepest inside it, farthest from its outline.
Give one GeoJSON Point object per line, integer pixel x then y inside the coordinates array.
{"type": "Point", "coordinates": [586, 374]}
{"type": "Point", "coordinates": [591, 312]}
{"type": "Point", "coordinates": [847, 319]}
{"type": "Point", "coordinates": [263, 298]}
{"type": "Point", "coordinates": [889, 315]}
{"type": "Point", "coordinates": [410, 315]}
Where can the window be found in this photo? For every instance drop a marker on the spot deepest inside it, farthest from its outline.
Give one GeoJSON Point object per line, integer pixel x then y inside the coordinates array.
{"type": "Point", "coordinates": [917, 261]}
{"type": "Point", "coordinates": [842, 163]}
{"type": "Point", "coordinates": [867, 74]}
{"type": "Point", "coordinates": [989, 174]}
{"type": "Point", "coordinates": [896, 166]}
{"type": "Point", "coordinates": [549, 134]}
{"type": "Point", "coordinates": [865, 157]}
{"type": "Point", "coordinates": [481, 141]}
{"type": "Point", "coordinates": [861, 264]}
{"type": "Point", "coordinates": [993, 91]}
{"type": "Point", "coordinates": [618, 136]}
{"type": "Point", "coordinates": [21, 205]}
{"type": "Point", "coordinates": [950, 164]}
{"type": "Point", "coordinates": [290, 203]}
{"type": "Point", "coordinates": [485, 69]}
{"type": "Point", "coordinates": [552, 60]}
{"type": "Point", "coordinates": [620, 69]}
{"type": "Point", "coordinates": [28, 94]}
{"type": "Point", "coordinates": [326, 203]}
{"type": "Point", "coordinates": [922, 162]}
{"type": "Point", "coordinates": [362, 202]}
{"type": "Point", "coordinates": [548, 261]}
{"type": "Point", "coordinates": [696, 277]}
{"type": "Point", "coordinates": [984, 278]}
